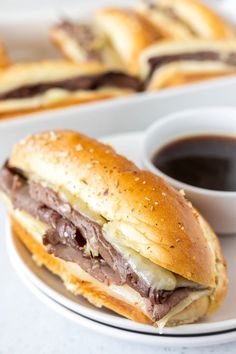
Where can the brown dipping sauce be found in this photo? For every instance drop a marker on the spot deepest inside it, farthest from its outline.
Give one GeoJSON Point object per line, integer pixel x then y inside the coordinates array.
{"type": "Point", "coordinates": [207, 161]}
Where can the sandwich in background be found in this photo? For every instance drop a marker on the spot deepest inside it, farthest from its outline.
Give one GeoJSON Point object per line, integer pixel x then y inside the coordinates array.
{"type": "Point", "coordinates": [174, 63]}
{"type": "Point", "coordinates": [32, 87]}
{"type": "Point", "coordinates": [129, 33]}
{"type": "Point", "coordinates": [80, 42]}
{"type": "Point", "coordinates": [185, 19]}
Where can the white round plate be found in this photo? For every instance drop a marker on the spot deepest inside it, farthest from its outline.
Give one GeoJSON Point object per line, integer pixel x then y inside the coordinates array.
{"type": "Point", "coordinates": [219, 328]}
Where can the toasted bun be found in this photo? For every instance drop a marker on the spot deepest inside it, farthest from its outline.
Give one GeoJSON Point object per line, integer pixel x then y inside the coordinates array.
{"type": "Point", "coordinates": [191, 19]}
{"type": "Point", "coordinates": [129, 33]}
{"type": "Point", "coordinates": [99, 296]}
{"type": "Point", "coordinates": [144, 212]}
{"type": "Point", "coordinates": [186, 71]}
{"type": "Point", "coordinates": [75, 51]}
{"type": "Point", "coordinates": [174, 75]}
{"type": "Point", "coordinates": [19, 75]}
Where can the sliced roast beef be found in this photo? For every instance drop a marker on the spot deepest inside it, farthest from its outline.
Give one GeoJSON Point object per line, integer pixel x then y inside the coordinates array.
{"type": "Point", "coordinates": [71, 235]}
{"type": "Point", "coordinates": [116, 79]}
{"type": "Point", "coordinates": [63, 238]}
{"type": "Point", "coordinates": [70, 225]}
{"type": "Point", "coordinates": [161, 308]}
{"type": "Point", "coordinates": [92, 232]}
{"type": "Point", "coordinates": [157, 307]}
{"type": "Point", "coordinates": [95, 266]}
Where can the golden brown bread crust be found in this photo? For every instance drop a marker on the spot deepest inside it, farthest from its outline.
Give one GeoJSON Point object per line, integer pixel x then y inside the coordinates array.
{"type": "Point", "coordinates": [166, 25]}
{"type": "Point", "coordinates": [129, 33]}
{"type": "Point", "coordinates": [195, 20]}
{"type": "Point", "coordinates": [221, 287]}
{"type": "Point", "coordinates": [145, 213]}
{"type": "Point", "coordinates": [203, 19]}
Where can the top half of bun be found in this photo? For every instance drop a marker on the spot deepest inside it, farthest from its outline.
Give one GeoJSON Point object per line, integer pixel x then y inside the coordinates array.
{"type": "Point", "coordinates": [139, 208]}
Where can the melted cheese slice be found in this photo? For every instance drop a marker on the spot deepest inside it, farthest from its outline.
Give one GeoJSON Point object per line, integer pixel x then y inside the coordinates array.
{"type": "Point", "coordinates": [156, 276]}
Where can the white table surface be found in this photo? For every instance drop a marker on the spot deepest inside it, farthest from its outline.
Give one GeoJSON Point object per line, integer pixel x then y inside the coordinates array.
{"type": "Point", "coordinates": [26, 325]}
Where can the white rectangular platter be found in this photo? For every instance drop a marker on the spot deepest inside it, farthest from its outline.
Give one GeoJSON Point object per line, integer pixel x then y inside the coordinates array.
{"type": "Point", "coordinates": [25, 30]}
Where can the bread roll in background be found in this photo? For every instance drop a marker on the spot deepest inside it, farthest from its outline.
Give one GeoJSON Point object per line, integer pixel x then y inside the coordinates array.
{"type": "Point", "coordinates": [128, 31]}
{"type": "Point", "coordinates": [83, 42]}
{"type": "Point", "coordinates": [185, 19]}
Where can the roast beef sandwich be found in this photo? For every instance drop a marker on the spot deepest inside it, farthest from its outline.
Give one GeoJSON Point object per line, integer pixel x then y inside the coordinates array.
{"type": "Point", "coordinates": [30, 87]}
{"type": "Point", "coordinates": [174, 63]}
{"type": "Point", "coordinates": [185, 19]}
{"type": "Point", "coordinates": [120, 236]}
{"type": "Point", "coordinates": [84, 42]}
{"type": "Point", "coordinates": [128, 32]}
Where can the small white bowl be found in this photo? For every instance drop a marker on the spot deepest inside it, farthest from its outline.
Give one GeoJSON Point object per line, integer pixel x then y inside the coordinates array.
{"type": "Point", "coordinates": [218, 207]}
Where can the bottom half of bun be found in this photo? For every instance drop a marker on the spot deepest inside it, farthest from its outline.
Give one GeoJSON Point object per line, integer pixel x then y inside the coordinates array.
{"type": "Point", "coordinates": [100, 295]}
{"type": "Point", "coordinates": [174, 75]}
{"type": "Point", "coordinates": [15, 107]}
